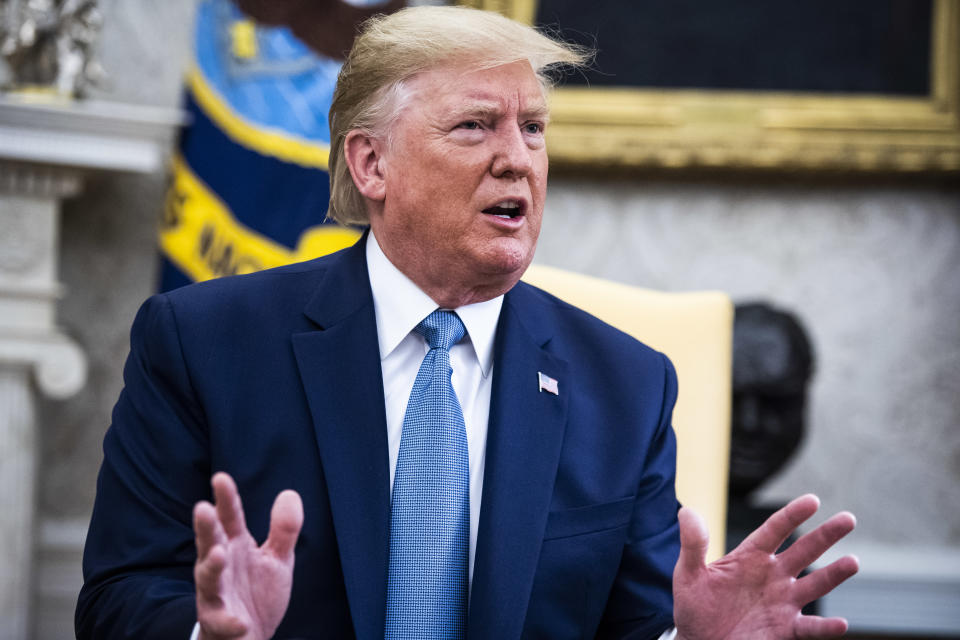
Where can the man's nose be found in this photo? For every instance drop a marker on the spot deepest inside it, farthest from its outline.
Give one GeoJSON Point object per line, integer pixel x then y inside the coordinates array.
{"type": "Point", "coordinates": [513, 157]}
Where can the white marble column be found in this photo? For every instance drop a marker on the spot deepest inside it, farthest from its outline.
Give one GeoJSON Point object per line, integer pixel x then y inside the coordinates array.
{"type": "Point", "coordinates": [34, 356]}
{"type": "Point", "coordinates": [17, 478]}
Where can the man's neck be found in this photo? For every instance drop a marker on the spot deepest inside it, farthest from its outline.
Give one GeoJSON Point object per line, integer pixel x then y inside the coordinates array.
{"type": "Point", "coordinates": [446, 289]}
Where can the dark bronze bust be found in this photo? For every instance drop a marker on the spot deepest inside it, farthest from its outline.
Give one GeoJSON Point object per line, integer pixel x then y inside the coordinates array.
{"type": "Point", "coordinates": [772, 364]}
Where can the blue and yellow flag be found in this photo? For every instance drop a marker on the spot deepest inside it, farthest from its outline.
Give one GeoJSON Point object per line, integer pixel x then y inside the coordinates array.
{"type": "Point", "coordinates": [250, 187]}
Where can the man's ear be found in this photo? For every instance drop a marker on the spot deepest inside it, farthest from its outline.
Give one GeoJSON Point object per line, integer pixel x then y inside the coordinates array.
{"type": "Point", "coordinates": [364, 155]}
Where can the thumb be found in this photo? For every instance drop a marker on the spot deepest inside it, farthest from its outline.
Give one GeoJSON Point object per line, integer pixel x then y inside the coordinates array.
{"type": "Point", "coordinates": [286, 519]}
{"type": "Point", "coordinates": [694, 539]}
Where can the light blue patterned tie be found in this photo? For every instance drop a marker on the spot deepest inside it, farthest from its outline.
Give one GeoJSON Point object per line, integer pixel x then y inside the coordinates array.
{"type": "Point", "coordinates": [430, 507]}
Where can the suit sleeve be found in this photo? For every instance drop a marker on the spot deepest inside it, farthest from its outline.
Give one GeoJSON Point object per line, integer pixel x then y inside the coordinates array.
{"type": "Point", "coordinates": [139, 554]}
{"type": "Point", "coordinates": [640, 605]}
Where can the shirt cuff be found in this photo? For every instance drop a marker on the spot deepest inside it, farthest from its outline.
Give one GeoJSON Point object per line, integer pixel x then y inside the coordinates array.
{"type": "Point", "coordinates": [669, 634]}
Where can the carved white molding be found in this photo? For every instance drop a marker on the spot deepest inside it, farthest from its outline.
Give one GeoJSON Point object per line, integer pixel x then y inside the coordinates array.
{"type": "Point", "coordinates": [22, 242]}
{"type": "Point", "coordinates": [13, 290]}
{"type": "Point", "coordinates": [86, 134]}
{"type": "Point", "coordinates": [46, 149]}
{"type": "Point", "coordinates": [39, 181]}
{"type": "Point", "coordinates": [58, 364]}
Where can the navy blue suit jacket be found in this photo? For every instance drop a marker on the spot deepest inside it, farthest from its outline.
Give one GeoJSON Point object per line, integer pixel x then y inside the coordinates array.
{"type": "Point", "coordinates": [275, 378]}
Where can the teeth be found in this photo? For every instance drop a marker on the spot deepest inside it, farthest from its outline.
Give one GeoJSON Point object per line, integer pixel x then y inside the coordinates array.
{"type": "Point", "coordinates": [506, 209]}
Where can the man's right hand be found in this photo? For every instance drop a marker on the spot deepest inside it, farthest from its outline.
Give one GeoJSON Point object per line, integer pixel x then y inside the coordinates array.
{"type": "Point", "coordinates": [243, 590]}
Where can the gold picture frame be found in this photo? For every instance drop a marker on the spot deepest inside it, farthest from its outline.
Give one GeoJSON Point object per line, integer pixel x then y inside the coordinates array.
{"type": "Point", "coordinates": [652, 128]}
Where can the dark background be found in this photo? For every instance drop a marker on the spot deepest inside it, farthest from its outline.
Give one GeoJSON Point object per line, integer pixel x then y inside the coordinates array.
{"type": "Point", "coordinates": [834, 46]}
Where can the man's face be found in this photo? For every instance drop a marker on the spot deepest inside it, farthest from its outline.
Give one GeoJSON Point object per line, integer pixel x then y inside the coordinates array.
{"type": "Point", "coordinates": [465, 175]}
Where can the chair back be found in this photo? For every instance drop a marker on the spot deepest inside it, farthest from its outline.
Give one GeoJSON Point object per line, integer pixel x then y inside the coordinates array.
{"type": "Point", "coordinates": [695, 330]}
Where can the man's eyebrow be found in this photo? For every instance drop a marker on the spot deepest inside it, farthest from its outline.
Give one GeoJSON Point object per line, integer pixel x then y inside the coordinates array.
{"type": "Point", "coordinates": [537, 112]}
{"type": "Point", "coordinates": [478, 109]}
{"type": "Point", "coordinates": [485, 109]}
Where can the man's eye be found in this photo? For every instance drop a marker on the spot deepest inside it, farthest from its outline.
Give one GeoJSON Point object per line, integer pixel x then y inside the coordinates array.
{"type": "Point", "coordinates": [469, 124]}
{"type": "Point", "coordinates": [534, 128]}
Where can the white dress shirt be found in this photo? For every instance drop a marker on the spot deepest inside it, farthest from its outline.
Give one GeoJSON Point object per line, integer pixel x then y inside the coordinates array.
{"type": "Point", "coordinates": [400, 306]}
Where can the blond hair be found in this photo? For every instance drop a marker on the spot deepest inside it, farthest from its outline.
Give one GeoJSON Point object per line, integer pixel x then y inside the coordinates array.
{"type": "Point", "coordinates": [390, 49]}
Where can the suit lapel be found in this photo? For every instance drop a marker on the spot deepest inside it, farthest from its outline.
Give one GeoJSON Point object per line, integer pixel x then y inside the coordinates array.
{"type": "Point", "coordinates": [524, 437]}
{"type": "Point", "coordinates": [339, 365]}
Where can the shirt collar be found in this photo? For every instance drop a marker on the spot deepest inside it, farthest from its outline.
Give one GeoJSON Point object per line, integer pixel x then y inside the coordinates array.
{"type": "Point", "coordinates": [400, 305]}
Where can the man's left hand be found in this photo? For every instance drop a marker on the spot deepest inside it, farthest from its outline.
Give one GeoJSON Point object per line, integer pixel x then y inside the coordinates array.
{"type": "Point", "coordinates": [753, 592]}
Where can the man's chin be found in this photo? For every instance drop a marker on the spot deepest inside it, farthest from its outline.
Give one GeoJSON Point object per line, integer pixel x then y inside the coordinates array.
{"type": "Point", "coordinates": [509, 255]}
{"type": "Point", "coordinates": [508, 265]}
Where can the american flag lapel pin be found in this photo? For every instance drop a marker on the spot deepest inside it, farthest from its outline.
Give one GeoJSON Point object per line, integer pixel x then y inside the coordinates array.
{"type": "Point", "coordinates": [547, 383]}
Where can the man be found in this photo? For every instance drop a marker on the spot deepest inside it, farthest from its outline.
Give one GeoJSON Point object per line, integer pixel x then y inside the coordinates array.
{"type": "Point", "coordinates": [553, 514]}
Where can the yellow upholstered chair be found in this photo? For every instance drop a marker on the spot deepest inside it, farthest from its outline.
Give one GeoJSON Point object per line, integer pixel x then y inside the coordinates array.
{"type": "Point", "coordinates": [695, 330]}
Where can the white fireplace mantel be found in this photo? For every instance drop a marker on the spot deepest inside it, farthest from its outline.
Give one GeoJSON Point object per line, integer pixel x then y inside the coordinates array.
{"type": "Point", "coordinates": [46, 152]}
{"type": "Point", "coordinates": [86, 135]}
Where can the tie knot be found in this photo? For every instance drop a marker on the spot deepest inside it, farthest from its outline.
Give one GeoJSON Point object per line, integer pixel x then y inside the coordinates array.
{"type": "Point", "coordinates": [441, 329]}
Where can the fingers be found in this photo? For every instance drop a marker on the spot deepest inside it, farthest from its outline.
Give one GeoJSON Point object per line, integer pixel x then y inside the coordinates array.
{"type": "Point", "coordinates": [206, 575]}
{"type": "Point", "coordinates": [811, 546]}
{"type": "Point", "coordinates": [227, 555]}
{"type": "Point", "coordinates": [823, 581]}
{"type": "Point", "coordinates": [206, 528]}
{"type": "Point", "coordinates": [817, 627]}
{"type": "Point", "coordinates": [694, 539]}
{"type": "Point", "coordinates": [229, 507]}
{"type": "Point", "coordinates": [215, 620]}
{"type": "Point", "coordinates": [771, 534]}
{"type": "Point", "coordinates": [286, 519]}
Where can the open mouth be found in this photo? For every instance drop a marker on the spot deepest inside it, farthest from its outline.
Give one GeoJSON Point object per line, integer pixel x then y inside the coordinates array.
{"type": "Point", "coordinates": [506, 209]}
